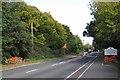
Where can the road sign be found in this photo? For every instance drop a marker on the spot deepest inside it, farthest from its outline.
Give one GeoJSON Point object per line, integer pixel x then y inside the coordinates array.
{"type": "Point", "coordinates": [65, 46]}
{"type": "Point", "coordinates": [110, 51]}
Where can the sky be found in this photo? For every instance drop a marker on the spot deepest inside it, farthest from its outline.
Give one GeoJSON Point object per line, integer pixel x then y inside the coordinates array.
{"type": "Point", "coordinates": [74, 13]}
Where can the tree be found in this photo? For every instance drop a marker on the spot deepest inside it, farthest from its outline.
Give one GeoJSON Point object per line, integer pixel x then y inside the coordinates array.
{"type": "Point", "coordinates": [49, 35]}
{"type": "Point", "coordinates": [88, 46]}
{"type": "Point", "coordinates": [104, 27]}
{"type": "Point", "coordinates": [15, 36]}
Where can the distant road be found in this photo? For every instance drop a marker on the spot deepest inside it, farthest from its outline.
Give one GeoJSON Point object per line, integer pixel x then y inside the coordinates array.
{"type": "Point", "coordinates": [74, 68]}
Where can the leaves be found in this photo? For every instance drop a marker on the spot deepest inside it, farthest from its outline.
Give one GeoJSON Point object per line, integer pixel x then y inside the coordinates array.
{"type": "Point", "coordinates": [48, 34]}
{"type": "Point", "coordinates": [104, 27]}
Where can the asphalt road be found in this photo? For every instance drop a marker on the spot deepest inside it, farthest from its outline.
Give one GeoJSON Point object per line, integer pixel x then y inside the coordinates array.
{"type": "Point", "coordinates": [74, 68]}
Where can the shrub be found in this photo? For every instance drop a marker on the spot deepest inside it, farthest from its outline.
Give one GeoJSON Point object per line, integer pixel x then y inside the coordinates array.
{"type": "Point", "coordinates": [15, 60]}
{"type": "Point", "coordinates": [4, 60]}
{"type": "Point", "coordinates": [110, 59]}
{"type": "Point", "coordinates": [78, 51]}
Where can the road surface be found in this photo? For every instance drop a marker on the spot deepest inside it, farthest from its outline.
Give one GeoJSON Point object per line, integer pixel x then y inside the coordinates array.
{"type": "Point", "coordinates": [75, 68]}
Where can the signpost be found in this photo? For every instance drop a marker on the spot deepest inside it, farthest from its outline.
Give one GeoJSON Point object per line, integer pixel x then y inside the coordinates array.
{"type": "Point", "coordinates": [110, 54]}
{"type": "Point", "coordinates": [110, 51]}
{"type": "Point", "coordinates": [64, 47]}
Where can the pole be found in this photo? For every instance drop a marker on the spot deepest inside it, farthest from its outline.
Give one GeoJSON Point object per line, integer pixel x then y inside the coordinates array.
{"type": "Point", "coordinates": [32, 34]}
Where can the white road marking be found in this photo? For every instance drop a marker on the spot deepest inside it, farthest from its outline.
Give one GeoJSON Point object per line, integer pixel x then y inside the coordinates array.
{"type": "Point", "coordinates": [62, 62]}
{"type": "Point", "coordinates": [72, 60]}
{"type": "Point", "coordinates": [55, 64]}
{"type": "Point", "coordinates": [76, 71]}
{"type": "Point", "coordinates": [85, 70]}
{"type": "Point", "coordinates": [31, 70]}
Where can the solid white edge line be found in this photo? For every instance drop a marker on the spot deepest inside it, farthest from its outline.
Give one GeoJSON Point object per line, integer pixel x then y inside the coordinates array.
{"type": "Point", "coordinates": [31, 70]}
{"type": "Point", "coordinates": [85, 70]}
{"type": "Point", "coordinates": [76, 71]}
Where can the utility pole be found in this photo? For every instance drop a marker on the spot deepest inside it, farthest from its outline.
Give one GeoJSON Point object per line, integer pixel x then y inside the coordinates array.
{"type": "Point", "coordinates": [32, 34]}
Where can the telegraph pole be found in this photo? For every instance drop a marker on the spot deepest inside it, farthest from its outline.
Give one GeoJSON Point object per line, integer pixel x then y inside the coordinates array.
{"type": "Point", "coordinates": [32, 34]}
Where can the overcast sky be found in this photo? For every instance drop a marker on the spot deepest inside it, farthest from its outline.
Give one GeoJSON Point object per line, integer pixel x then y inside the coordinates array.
{"type": "Point", "coordinates": [74, 13]}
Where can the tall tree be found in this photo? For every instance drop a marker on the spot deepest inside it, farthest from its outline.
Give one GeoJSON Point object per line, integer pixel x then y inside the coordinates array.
{"type": "Point", "coordinates": [104, 28]}
{"type": "Point", "coordinates": [15, 35]}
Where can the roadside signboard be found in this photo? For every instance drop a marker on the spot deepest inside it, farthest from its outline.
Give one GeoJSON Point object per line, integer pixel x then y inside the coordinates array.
{"type": "Point", "coordinates": [110, 51]}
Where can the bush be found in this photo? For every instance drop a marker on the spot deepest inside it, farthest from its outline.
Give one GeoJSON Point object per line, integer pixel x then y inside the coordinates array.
{"type": "Point", "coordinates": [15, 59]}
{"type": "Point", "coordinates": [4, 60]}
{"type": "Point", "coordinates": [77, 51]}
{"type": "Point", "coordinates": [40, 52]}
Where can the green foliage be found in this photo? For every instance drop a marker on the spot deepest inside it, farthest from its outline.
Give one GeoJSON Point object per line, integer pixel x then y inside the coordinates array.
{"type": "Point", "coordinates": [77, 51]}
{"type": "Point", "coordinates": [105, 27]}
{"type": "Point", "coordinates": [40, 40]}
{"type": "Point", "coordinates": [88, 46]}
{"type": "Point", "coordinates": [15, 36]}
{"type": "Point", "coordinates": [49, 36]}
{"type": "Point", "coordinates": [4, 60]}
{"type": "Point", "coordinates": [73, 42]}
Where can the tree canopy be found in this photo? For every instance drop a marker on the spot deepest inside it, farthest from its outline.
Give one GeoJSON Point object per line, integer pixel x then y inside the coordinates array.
{"type": "Point", "coordinates": [105, 28]}
{"type": "Point", "coordinates": [48, 34]}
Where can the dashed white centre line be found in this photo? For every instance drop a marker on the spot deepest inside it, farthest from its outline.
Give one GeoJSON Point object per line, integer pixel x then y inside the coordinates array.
{"type": "Point", "coordinates": [31, 70]}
